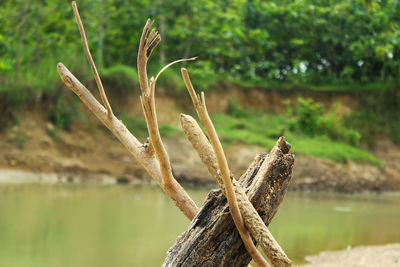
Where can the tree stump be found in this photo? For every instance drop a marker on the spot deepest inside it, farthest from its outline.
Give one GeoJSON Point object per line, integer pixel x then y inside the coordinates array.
{"type": "Point", "coordinates": [212, 238]}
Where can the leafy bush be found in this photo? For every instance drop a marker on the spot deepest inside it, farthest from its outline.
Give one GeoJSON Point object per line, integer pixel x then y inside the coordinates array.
{"type": "Point", "coordinates": [377, 115]}
{"type": "Point", "coordinates": [134, 125]}
{"type": "Point", "coordinates": [63, 114]}
{"type": "Point", "coordinates": [236, 111]}
{"type": "Point", "coordinates": [121, 77]}
{"type": "Point", "coordinates": [310, 118]}
{"type": "Point", "coordinates": [13, 97]}
{"type": "Point", "coordinates": [171, 80]}
{"type": "Point", "coordinates": [309, 115]}
{"type": "Point", "coordinates": [202, 74]}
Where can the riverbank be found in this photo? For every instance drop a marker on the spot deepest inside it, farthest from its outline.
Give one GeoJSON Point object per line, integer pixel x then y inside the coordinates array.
{"type": "Point", "coordinates": [80, 155]}
{"type": "Point", "coordinates": [107, 162]}
{"type": "Point", "coordinates": [89, 153]}
{"type": "Point", "coordinates": [363, 256]}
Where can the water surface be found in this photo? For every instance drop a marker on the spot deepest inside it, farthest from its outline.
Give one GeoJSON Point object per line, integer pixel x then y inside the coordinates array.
{"type": "Point", "coordinates": [93, 225]}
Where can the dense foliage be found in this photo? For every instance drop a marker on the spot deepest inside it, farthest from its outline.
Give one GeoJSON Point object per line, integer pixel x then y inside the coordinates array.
{"type": "Point", "coordinates": [330, 45]}
{"type": "Point", "coordinates": [315, 42]}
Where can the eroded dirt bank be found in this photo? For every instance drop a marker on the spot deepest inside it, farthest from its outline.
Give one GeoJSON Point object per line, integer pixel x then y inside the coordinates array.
{"type": "Point", "coordinates": [92, 152]}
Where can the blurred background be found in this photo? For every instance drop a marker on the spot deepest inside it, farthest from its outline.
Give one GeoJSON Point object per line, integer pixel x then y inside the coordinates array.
{"type": "Point", "coordinates": [325, 74]}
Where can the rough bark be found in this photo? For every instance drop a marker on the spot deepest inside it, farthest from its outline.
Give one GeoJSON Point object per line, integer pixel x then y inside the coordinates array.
{"type": "Point", "coordinates": [253, 221]}
{"type": "Point", "coordinates": [212, 238]}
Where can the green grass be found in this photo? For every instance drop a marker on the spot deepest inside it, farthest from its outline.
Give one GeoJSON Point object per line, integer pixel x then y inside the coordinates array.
{"type": "Point", "coordinates": [122, 78]}
{"type": "Point", "coordinates": [139, 128]}
{"type": "Point", "coordinates": [264, 129]}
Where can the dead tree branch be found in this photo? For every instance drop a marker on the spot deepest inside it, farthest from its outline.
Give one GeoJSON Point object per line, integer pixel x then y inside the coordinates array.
{"type": "Point", "coordinates": [152, 156]}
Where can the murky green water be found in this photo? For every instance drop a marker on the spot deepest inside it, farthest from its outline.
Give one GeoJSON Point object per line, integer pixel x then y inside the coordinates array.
{"type": "Point", "coordinates": [82, 225]}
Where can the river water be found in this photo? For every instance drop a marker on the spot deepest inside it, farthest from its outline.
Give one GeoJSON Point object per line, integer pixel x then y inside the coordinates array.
{"type": "Point", "coordinates": [95, 225]}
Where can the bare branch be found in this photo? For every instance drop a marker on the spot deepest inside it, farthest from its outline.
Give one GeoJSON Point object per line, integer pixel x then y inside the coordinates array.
{"type": "Point", "coordinates": [252, 219]}
{"type": "Point", "coordinates": [201, 110]}
{"type": "Point", "coordinates": [147, 44]}
{"type": "Point", "coordinates": [142, 152]}
{"type": "Point", "coordinates": [151, 155]}
{"type": "Point", "coordinates": [91, 62]}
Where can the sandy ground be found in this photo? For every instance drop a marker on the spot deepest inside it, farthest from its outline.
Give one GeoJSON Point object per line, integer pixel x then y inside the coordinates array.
{"type": "Point", "coordinates": [368, 256]}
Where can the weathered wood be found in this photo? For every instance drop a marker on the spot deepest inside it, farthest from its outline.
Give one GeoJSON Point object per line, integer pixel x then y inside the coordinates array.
{"type": "Point", "coordinates": [212, 238]}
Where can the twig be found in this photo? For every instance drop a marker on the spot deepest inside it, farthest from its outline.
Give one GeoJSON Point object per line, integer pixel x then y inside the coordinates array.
{"type": "Point", "coordinates": [91, 62]}
{"type": "Point", "coordinates": [223, 166]}
{"type": "Point", "coordinates": [172, 63]}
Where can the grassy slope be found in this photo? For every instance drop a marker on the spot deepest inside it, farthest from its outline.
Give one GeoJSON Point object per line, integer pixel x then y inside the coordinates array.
{"type": "Point", "coordinates": [264, 129]}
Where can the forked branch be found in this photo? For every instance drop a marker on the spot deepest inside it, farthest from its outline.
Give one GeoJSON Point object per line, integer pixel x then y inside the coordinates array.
{"type": "Point", "coordinates": [153, 156]}
{"type": "Point", "coordinates": [148, 41]}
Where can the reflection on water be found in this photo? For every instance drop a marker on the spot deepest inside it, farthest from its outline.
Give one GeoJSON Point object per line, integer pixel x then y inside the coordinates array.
{"type": "Point", "coordinates": [81, 225]}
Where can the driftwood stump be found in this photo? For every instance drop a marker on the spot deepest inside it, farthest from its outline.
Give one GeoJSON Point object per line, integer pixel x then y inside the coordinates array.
{"type": "Point", "coordinates": [212, 238]}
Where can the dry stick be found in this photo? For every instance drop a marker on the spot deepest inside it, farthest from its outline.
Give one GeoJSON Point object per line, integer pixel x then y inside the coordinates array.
{"type": "Point", "coordinates": [91, 62]}
{"type": "Point", "coordinates": [149, 109]}
{"type": "Point", "coordinates": [148, 42]}
{"type": "Point", "coordinates": [144, 153]}
{"type": "Point", "coordinates": [226, 175]}
{"type": "Point", "coordinates": [252, 219]}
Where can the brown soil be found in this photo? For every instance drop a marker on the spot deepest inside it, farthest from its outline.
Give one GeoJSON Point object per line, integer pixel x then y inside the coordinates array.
{"type": "Point", "coordinates": [90, 151]}
{"type": "Point", "coordinates": [273, 100]}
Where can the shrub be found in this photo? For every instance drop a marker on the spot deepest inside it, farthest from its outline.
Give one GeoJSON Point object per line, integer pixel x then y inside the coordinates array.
{"type": "Point", "coordinates": [121, 77]}
{"type": "Point", "coordinates": [310, 118]}
{"type": "Point", "coordinates": [236, 111]}
{"type": "Point", "coordinates": [202, 74]}
{"type": "Point", "coordinates": [171, 80]}
{"type": "Point", "coordinates": [308, 115]}
{"type": "Point", "coordinates": [63, 114]}
{"type": "Point", "coordinates": [134, 125]}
